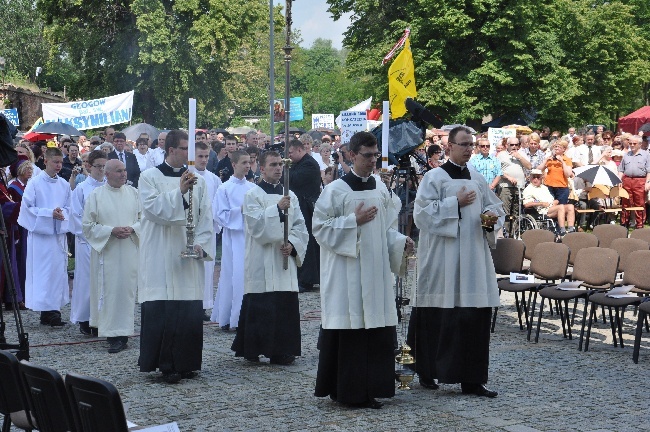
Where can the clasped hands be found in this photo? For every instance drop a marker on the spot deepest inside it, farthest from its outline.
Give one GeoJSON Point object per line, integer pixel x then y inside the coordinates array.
{"type": "Point", "coordinates": [122, 232]}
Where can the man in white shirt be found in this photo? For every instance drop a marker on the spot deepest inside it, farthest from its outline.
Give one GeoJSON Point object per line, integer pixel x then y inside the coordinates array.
{"type": "Point", "coordinates": [537, 196]}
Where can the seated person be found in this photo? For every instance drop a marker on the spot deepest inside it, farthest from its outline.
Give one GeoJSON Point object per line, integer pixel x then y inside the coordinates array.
{"type": "Point", "coordinates": [536, 196]}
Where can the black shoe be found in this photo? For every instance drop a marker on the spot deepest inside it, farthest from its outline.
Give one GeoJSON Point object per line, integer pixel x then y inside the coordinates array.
{"type": "Point", "coordinates": [189, 375]}
{"type": "Point", "coordinates": [283, 359]}
{"type": "Point", "coordinates": [171, 377]}
{"type": "Point", "coordinates": [225, 327]}
{"type": "Point", "coordinates": [117, 346]}
{"type": "Point", "coordinates": [94, 331]}
{"type": "Point", "coordinates": [56, 322]}
{"type": "Point", "coordinates": [371, 403]}
{"type": "Point", "coordinates": [84, 328]}
{"type": "Point", "coordinates": [205, 316]}
{"type": "Point", "coordinates": [478, 390]}
{"type": "Point", "coordinates": [429, 384]}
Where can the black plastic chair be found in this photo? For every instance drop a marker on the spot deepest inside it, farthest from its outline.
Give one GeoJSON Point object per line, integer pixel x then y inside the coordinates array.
{"type": "Point", "coordinates": [96, 404]}
{"type": "Point", "coordinates": [47, 398]}
{"type": "Point", "coordinates": [13, 403]}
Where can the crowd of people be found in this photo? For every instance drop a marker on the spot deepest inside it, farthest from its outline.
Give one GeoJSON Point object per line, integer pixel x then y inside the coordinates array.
{"type": "Point", "coordinates": [535, 173]}
{"type": "Point", "coordinates": [122, 209]}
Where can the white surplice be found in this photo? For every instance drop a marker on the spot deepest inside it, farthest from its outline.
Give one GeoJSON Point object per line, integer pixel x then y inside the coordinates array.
{"type": "Point", "coordinates": [455, 267]}
{"type": "Point", "coordinates": [212, 184]}
{"type": "Point", "coordinates": [46, 284]}
{"type": "Point", "coordinates": [113, 261]}
{"type": "Point", "coordinates": [264, 270]}
{"type": "Point", "coordinates": [356, 284]}
{"type": "Point", "coordinates": [163, 274]}
{"type": "Point", "coordinates": [80, 303]}
{"type": "Point", "coordinates": [230, 292]}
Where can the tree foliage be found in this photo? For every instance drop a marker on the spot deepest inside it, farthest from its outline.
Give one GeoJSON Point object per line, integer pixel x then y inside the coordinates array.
{"type": "Point", "coordinates": [22, 44]}
{"type": "Point", "coordinates": [565, 61]}
{"type": "Point", "coordinates": [167, 51]}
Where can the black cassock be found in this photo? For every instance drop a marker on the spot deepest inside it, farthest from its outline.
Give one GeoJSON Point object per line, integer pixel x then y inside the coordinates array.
{"type": "Point", "coordinates": [451, 345]}
{"type": "Point", "coordinates": [305, 181]}
{"type": "Point", "coordinates": [356, 365]}
{"type": "Point", "coordinates": [269, 323]}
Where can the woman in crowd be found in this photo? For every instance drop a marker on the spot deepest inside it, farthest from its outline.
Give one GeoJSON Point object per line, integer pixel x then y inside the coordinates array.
{"type": "Point", "coordinates": [606, 159]}
{"type": "Point", "coordinates": [559, 170]}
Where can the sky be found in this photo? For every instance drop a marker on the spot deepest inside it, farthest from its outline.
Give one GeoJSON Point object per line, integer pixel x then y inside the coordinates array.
{"type": "Point", "coordinates": [313, 20]}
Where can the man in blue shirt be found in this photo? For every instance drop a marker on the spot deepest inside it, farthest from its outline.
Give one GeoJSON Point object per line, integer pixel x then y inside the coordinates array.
{"type": "Point", "coordinates": [487, 165]}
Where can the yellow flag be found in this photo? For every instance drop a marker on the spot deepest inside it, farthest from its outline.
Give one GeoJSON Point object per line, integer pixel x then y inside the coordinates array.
{"type": "Point", "coordinates": [401, 81]}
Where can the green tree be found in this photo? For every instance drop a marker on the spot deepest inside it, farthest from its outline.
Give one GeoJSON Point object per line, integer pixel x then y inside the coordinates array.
{"type": "Point", "coordinates": [568, 61]}
{"type": "Point", "coordinates": [22, 43]}
{"type": "Point", "coordinates": [166, 51]}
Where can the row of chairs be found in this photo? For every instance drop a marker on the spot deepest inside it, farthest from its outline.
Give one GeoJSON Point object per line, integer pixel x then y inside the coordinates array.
{"type": "Point", "coordinates": [35, 397]}
{"type": "Point", "coordinates": [592, 263]}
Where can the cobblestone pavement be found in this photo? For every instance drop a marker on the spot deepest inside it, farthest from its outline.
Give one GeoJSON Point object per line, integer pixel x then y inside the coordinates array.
{"type": "Point", "coordinates": [549, 386]}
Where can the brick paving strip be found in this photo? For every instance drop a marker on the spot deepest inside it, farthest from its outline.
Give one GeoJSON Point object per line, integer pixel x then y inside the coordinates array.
{"type": "Point", "coordinates": [550, 386]}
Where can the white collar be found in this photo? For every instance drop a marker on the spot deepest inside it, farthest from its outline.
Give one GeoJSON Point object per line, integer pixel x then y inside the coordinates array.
{"type": "Point", "coordinates": [363, 179]}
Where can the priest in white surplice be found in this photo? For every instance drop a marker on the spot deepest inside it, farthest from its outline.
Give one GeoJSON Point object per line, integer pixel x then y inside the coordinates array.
{"type": "Point", "coordinates": [359, 249]}
{"type": "Point", "coordinates": [230, 197]}
{"type": "Point", "coordinates": [45, 214]}
{"type": "Point", "coordinates": [212, 183]}
{"type": "Point", "coordinates": [111, 222]}
{"type": "Point", "coordinates": [269, 323]}
{"type": "Point", "coordinates": [170, 287]}
{"type": "Point", "coordinates": [80, 304]}
{"type": "Point", "coordinates": [456, 290]}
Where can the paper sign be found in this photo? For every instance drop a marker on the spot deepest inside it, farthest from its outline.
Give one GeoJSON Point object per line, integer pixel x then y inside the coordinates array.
{"type": "Point", "coordinates": [322, 121]}
{"type": "Point", "coordinates": [495, 135]}
{"type": "Point", "coordinates": [352, 122]}
{"type": "Point", "coordinates": [521, 278]}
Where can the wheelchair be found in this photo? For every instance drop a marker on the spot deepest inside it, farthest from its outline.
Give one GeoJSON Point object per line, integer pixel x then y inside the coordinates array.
{"type": "Point", "coordinates": [526, 219]}
{"type": "Point", "coordinates": [531, 219]}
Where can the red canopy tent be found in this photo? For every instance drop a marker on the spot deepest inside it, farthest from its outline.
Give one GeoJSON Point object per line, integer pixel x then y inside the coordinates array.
{"type": "Point", "coordinates": [632, 122]}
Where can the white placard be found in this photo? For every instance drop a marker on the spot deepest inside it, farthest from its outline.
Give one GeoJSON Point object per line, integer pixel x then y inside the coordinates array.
{"type": "Point", "coordinates": [521, 278]}
{"type": "Point", "coordinates": [322, 121]}
{"type": "Point", "coordinates": [351, 123]}
{"type": "Point", "coordinates": [91, 114]}
{"type": "Point", "coordinates": [495, 135]}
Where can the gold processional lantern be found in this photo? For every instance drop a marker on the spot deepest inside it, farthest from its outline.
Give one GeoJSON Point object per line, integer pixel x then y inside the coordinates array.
{"type": "Point", "coordinates": [408, 284]}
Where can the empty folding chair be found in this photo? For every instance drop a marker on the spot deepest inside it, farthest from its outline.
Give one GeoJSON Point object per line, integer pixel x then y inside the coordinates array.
{"type": "Point", "coordinates": [608, 232]}
{"type": "Point", "coordinates": [596, 267]}
{"type": "Point", "coordinates": [47, 398]}
{"type": "Point", "coordinates": [13, 403]}
{"type": "Point", "coordinates": [508, 257]}
{"type": "Point", "coordinates": [96, 404]}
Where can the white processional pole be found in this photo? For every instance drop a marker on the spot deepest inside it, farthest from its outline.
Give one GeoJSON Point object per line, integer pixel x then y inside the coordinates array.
{"type": "Point", "coordinates": [385, 120]}
{"type": "Point", "coordinates": [191, 135]}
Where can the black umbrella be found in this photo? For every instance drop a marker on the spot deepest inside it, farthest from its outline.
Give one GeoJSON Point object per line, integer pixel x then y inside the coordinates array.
{"type": "Point", "coordinates": [58, 128]}
{"type": "Point", "coordinates": [296, 130]}
{"type": "Point", "coordinates": [315, 134]}
{"type": "Point", "coordinates": [645, 128]}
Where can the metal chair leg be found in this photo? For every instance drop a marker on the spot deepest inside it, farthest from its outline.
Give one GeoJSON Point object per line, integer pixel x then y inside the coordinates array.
{"type": "Point", "coordinates": [573, 315]}
{"type": "Point", "coordinates": [494, 319]}
{"type": "Point", "coordinates": [637, 336]}
{"type": "Point", "coordinates": [532, 315]}
{"type": "Point", "coordinates": [592, 314]}
{"type": "Point", "coordinates": [612, 325]}
{"type": "Point", "coordinates": [519, 307]}
{"type": "Point", "coordinates": [558, 308]}
{"type": "Point", "coordinates": [539, 319]}
{"type": "Point", "coordinates": [619, 319]}
{"type": "Point", "coordinates": [566, 313]}
{"type": "Point", "coordinates": [582, 329]}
